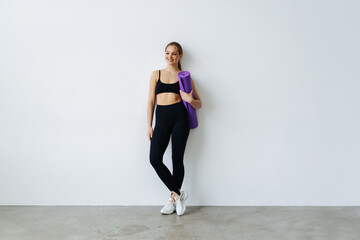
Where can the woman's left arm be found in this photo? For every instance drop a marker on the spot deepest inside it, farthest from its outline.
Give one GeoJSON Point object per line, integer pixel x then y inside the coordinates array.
{"type": "Point", "coordinates": [195, 101]}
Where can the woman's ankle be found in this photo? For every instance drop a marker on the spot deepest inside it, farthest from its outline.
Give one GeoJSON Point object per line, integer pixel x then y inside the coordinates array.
{"type": "Point", "coordinates": [174, 194]}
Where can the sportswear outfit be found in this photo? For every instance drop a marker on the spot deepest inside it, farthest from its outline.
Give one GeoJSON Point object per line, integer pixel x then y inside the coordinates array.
{"type": "Point", "coordinates": [171, 121]}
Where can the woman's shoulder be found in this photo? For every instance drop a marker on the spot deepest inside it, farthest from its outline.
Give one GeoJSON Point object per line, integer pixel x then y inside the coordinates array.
{"type": "Point", "coordinates": [155, 74]}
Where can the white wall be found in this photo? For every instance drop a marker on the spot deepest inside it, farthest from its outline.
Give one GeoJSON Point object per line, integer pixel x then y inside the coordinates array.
{"type": "Point", "coordinates": [279, 81]}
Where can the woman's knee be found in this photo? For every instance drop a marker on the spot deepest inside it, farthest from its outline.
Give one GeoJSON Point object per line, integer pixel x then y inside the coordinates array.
{"type": "Point", "coordinates": [155, 161]}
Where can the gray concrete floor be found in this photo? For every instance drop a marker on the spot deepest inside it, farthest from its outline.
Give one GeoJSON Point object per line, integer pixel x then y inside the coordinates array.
{"type": "Point", "coordinates": [146, 222]}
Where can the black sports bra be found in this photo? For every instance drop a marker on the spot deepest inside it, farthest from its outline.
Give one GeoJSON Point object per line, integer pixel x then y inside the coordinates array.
{"type": "Point", "coordinates": [167, 87]}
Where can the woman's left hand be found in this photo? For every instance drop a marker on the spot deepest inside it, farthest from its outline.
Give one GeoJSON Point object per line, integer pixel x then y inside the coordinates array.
{"type": "Point", "coordinates": [187, 97]}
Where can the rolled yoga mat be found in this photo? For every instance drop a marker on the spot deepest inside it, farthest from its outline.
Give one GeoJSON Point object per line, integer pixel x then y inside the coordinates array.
{"type": "Point", "coordinates": [186, 86]}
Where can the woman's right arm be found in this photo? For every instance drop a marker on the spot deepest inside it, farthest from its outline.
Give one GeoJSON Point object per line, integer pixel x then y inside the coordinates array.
{"type": "Point", "coordinates": [151, 103]}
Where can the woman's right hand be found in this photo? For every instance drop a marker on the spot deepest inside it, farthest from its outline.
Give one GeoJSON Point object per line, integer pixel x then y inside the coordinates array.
{"type": "Point", "coordinates": [150, 133]}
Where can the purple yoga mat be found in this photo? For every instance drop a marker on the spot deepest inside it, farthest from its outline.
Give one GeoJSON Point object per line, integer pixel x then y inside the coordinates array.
{"type": "Point", "coordinates": [186, 86]}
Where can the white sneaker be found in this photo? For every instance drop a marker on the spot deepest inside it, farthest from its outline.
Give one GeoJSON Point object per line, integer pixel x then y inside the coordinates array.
{"type": "Point", "coordinates": [169, 207]}
{"type": "Point", "coordinates": [180, 203]}
{"type": "Point", "coordinates": [183, 195]}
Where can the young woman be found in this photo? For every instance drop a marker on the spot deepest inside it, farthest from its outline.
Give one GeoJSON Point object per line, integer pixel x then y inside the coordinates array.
{"type": "Point", "coordinates": [171, 120]}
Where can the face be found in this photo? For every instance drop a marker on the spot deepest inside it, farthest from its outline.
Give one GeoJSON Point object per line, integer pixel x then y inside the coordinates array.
{"type": "Point", "coordinates": [172, 56]}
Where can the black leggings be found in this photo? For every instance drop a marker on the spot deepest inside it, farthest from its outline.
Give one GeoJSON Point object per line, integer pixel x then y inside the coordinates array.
{"type": "Point", "coordinates": [170, 120]}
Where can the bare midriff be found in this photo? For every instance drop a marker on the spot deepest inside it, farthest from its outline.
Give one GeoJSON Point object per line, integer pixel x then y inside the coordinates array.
{"type": "Point", "coordinates": [167, 98]}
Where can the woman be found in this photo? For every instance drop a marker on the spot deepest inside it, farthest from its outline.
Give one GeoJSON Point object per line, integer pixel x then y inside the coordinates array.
{"type": "Point", "coordinates": [171, 120]}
